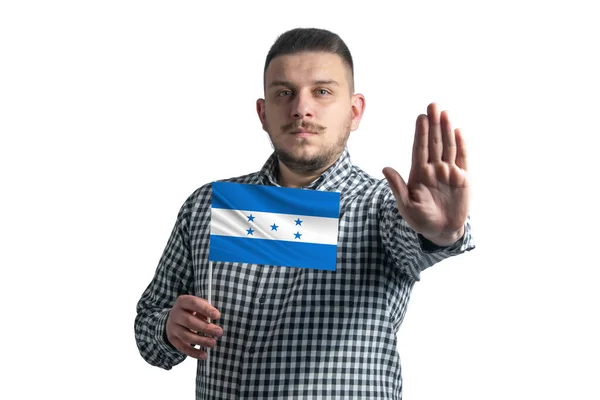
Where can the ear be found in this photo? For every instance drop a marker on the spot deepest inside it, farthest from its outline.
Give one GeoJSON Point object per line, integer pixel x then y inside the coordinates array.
{"type": "Point", "coordinates": [358, 109]}
{"type": "Point", "coordinates": [260, 110]}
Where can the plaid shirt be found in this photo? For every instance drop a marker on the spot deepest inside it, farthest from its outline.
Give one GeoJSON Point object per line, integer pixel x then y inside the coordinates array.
{"type": "Point", "coordinates": [295, 332]}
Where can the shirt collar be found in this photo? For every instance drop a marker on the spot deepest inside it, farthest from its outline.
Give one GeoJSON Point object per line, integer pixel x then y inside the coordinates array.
{"type": "Point", "coordinates": [328, 180]}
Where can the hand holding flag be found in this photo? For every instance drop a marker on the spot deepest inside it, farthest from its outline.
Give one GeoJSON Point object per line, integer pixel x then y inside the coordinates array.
{"type": "Point", "coordinates": [188, 320]}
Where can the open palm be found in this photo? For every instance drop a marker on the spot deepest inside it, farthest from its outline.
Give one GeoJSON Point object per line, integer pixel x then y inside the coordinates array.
{"type": "Point", "coordinates": [435, 201]}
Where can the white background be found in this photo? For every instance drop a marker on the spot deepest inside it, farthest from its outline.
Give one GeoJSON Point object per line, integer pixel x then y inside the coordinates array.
{"type": "Point", "coordinates": [113, 112]}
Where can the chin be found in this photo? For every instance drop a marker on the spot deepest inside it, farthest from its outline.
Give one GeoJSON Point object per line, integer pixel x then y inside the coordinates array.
{"type": "Point", "coordinates": [302, 154]}
{"type": "Point", "coordinates": [302, 161]}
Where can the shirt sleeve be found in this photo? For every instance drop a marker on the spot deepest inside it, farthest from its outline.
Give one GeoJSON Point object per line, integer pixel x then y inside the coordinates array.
{"type": "Point", "coordinates": [173, 277]}
{"type": "Point", "coordinates": [410, 251]}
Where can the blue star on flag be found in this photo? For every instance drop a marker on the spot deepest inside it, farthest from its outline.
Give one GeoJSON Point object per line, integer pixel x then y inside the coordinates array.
{"type": "Point", "coordinates": [297, 235]}
{"type": "Point", "coordinates": [298, 222]}
{"type": "Point", "coordinates": [274, 227]}
{"type": "Point", "coordinates": [251, 218]}
{"type": "Point", "coordinates": [250, 231]}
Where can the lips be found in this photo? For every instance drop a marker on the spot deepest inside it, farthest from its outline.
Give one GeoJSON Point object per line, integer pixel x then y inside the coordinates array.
{"type": "Point", "coordinates": [303, 131]}
{"type": "Point", "coordinates": [303, 134]}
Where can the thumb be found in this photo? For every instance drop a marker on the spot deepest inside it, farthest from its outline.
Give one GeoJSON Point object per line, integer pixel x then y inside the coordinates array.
{"type": "Point", "coordinates": [398, 187]}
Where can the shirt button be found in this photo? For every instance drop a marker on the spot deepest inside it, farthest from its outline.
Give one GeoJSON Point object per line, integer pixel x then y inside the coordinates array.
{"type": "Point", "coordinates": [262, 299]}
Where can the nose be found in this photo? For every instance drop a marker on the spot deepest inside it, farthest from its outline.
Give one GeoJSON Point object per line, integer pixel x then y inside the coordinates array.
{"type": "Point", "coordinates": [302, 105]}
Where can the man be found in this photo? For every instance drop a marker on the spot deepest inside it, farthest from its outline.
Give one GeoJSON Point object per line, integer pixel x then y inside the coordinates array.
{"type": "Point", "coordinates": [282, 332]}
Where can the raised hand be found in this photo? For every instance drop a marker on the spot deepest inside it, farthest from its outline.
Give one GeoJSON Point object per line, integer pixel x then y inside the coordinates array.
{"type": "Point", "coordinates": [435, 202]}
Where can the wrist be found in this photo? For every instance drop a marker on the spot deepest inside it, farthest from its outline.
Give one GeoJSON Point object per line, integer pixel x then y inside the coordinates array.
{"type": "Point", "coordinates": [445, 240]}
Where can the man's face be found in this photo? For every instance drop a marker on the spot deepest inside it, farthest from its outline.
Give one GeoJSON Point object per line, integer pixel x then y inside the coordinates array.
{"type": "Point", "coordinates": [309, 109]}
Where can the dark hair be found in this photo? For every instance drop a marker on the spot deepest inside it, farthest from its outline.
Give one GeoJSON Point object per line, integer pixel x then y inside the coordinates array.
{"type": "Point", "coordinates": [300, 40]}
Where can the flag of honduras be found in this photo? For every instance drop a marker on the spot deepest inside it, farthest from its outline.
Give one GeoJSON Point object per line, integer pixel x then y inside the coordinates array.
{"type": "Point", "coordinates": [274, 225]}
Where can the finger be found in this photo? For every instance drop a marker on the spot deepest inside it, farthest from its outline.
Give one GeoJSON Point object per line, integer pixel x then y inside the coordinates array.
{"type": "Point", "coordinates": [398, 187]}
{"type": "Point", "coordinates": [199, 324]}
{"type": "Point", "coordinates": [461, 149]}
{"type": "Point", "coordinates": [449, 142]}
{"type": "Point", "coordinates": [188, 337]}
{"type": "Point", "coordinates": [420, 146]}
{"type": "Point", "coordinates": [201, 306]}
{"type": "Point", "coordinates": [189, 350]}
{"type": "Point", "coordinates": [436, 145]}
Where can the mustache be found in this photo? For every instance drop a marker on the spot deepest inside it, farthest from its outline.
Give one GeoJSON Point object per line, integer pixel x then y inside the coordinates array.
{"type": "Point", "coordinates": [309, 126]}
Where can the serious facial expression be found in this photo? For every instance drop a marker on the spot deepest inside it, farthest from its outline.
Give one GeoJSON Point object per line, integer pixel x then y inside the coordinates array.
{"type": "Point", "coordinates": [309, 109]}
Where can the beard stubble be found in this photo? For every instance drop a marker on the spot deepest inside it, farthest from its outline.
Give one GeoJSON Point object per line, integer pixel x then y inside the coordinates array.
{"type": "Point", "coordinates": [323, 159]}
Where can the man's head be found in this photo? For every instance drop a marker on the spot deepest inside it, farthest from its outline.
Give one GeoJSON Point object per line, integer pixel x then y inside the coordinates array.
{"type": "Point", "coordinates": [311, 40]}
{"type": "Point", "coordinates": [309, 107]}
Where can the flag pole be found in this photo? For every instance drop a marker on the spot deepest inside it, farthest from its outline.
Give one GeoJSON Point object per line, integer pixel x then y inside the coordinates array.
{"type": "Point", "coordinates": [210, 273]}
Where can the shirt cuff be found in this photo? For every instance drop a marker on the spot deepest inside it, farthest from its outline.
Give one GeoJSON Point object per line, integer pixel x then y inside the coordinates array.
{"type": "Point", "coordinates": [160, 335]}
{"type": "Point", "coordinates": [427, 246]}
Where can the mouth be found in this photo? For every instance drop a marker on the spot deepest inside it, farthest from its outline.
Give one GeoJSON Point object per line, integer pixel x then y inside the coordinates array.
{"type": "Point", "coordinates": [302, 133]}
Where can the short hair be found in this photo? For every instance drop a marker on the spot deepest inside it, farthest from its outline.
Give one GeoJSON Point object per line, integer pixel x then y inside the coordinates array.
{"type": "Point", "coordinates": [300, 40]}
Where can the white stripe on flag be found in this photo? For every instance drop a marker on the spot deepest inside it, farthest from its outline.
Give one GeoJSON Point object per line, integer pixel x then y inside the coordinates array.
{"type": "Point", "coordinates": [264, 225]}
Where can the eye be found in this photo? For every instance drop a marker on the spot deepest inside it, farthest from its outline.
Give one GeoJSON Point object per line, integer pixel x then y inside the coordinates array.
{"type": "Point", "coordinates": [322, 92]}
{"type": "Point", "coordinates": [282, 93]}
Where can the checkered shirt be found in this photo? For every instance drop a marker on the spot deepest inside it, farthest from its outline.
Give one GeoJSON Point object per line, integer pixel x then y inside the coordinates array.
{"type": "Point", "coordinates": [295, 332]}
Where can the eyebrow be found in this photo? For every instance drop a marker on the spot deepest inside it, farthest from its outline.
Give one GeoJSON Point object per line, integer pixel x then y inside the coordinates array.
{"type": "Point", "coordinates": [317, 82]}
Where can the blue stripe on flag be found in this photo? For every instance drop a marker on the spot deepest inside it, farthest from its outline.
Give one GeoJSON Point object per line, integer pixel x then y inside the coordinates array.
{"type": "Point", "coordinates": [273, 252]}
{"type": "Point", "coordinates": [281, 200]}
